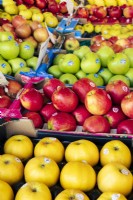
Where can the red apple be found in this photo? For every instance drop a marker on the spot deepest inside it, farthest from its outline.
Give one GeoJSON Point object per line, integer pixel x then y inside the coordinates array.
{"type": "Point", "coordinates": [117, 90]}
{"type": "Point", "coordinates": [127, 105]}
{"type": "Point", "coordinates": [2, 91]}
{"type": "Point", "coordinates": [96, 124]}
{"type": "Point", "coordinates": [98, 101]}
{"type": "Point", "coordinates": [13, 88]}
{"type": "Point", "coordinates": [63, 7]}
{"type": "Point", "coordinates": [125, 127]}
{"type": "Point", "coordinates": [130, 38]}
{"type": "Point", "coordinates": [35, 117]}
{"type": "Point", "coordinates": [128, 12]}
{"type": "Point", "coordinates": [80, 114]}
{"type": "Point", "coordinates": [123, 42]}
{"type": "Point", "coordinates": [64, 99]}
{"type": "Point", "coordinates": [18, 20]}
{"type": "Point", "coordinates": [92, 18]}
{"type": "Point", "coordinates": [92, 9]}
{"type": "Point", "coordinates": [115, 12]}
{"type": "Point", "coordinates": [101, 20]}
{"type": "Point", "coordinates": [95, 47]}
{"type": "Point", "coordinates": [53, 7]}
{"type": "Point", "coordinates": [8, 27]}
{"type": "Point", "coordinates": [62, 121]}
{"type": "Point", "coordinates": [106, 43]}
{"type": "Point", "coordinates": [5, 101]}
{"type": "Point", "coordinates": [3, 21]}
{"type": "Point", "coordinates": [117, 48]}
{"type": "Point", "coordinates": [82, 12]}
{"type": "Point", "coordinates": [32, 99]}
{"type": "Point", "coordinates": [51, 85]}
{"type": "Point", "coordinates": [113, 39]}
{"type": "Point", "coordinates": [97, 39]}
{"type": "Point", "coordinates": [100, 12]}
{"type": "Point", "coordinates": [123, 20]}
{"type": "Point", "coordinates": [82, 86]}
{"type": "Point", "coordinates": [41, 4]}
{"type": "Point", "coordinates": [115, 116]}
{"type": "Point", "coordinates": [112, 20]}
{"type": "Point", "coordinates": [47, 111]}
{"type": "Point", "coordinates": [23, 31]}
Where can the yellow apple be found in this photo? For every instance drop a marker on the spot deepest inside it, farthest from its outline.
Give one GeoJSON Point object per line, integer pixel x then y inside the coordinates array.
{"type": "Point", "coordinates": [71, 194]}
{"type": "Point", "coordinates": [115, 177]}
{"type": "Point", "coordinates": [40, 34]}
{"type": "Point", "coordinates": [37, 17]}
{"type": "Point", "coordinates": [33, 191]}
{"type": "Point", "coordinates": [45, 14]}
{"type": "Point", "coordinates": [82, 149]}
{"type": "Point", "coordinates": [11, 9]}
{"type": "Point", "coordinates": [22, 7]}
{"type": "Point", "coordinates": [5, 16]}
{"type": "Point", "coordinates": [27, 14]}
{"type": "Point", "coordinates": [51, 21]}
{"type": "Point", "coordinates": [42, 169]}
{"type": "Point", "coordinates": [49, 146]}
{"type": "Point", "coordinates": [34, 9]}
{"type": "Point", "coordinates": [11, 169]}
{"type": "Point", "coordinates": [115, 151]}
{"type": "Point", "coordinates": [111, 196]}
{"type": "Point", "coordinates": [6, 192]}
{"type": "Point", "coordinates": [20, 146]}
{"type": "Point", "coordinates": [78, 175]}
{"type": "Point", "coordinates": [80, 28]}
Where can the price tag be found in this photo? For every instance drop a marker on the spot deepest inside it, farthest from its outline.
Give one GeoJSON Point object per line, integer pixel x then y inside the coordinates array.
{"type": "Point", "coordinates": [70, 7]}
{"type": "Point", "coordinates": [3, 81]}
{"type": "Point", "coordinates": [42, 52]}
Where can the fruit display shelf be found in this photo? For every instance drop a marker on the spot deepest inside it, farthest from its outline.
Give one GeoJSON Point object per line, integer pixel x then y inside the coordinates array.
{"type": "Point", "coordinates": [66, 140]}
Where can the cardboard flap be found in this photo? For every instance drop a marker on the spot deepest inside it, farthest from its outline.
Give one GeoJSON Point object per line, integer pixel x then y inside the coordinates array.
{"type": "Point", "coordinates": [21, 126]}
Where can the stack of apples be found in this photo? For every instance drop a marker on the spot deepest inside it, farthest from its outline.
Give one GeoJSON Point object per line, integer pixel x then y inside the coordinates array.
{"type": "Point", "coordinates": [106, 15]}
{"type": "Point", "coordinates": [101, 62]}
{"type": "Point", "coordinates": [94, 109]}
{"type": "Point", "coordinates": [32, 165]}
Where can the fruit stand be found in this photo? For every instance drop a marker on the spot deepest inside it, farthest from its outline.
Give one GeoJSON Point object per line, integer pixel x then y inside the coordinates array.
{"type": "Point", "coordinates": [66, 100]}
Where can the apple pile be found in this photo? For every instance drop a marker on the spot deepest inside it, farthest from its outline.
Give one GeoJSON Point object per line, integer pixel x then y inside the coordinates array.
{"type": "Point", "coordinates": [94, 109]}
{"type": "Point", "coordinates": [99, 62]}
{"type": "Point", "coordinates": [35, 160]}
{"type": "Point", "coordinates": [110, 3]}
{"type": "Point", "coordinates": [106, 15]}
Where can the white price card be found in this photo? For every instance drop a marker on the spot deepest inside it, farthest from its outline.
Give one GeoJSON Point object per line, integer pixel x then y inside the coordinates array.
{"type": "Point", "coordinates": [42, 52]}
{"type": "Point", "coordinates": [70, 7]}
{"type": "Point", "coordinates": [51, 35]}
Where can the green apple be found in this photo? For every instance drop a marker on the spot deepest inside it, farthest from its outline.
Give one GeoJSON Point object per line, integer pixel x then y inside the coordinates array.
{"type": "Point", "coordinates": [90, 63]}
{"type": "Point", "coordinates": [71, 44]}
{"type": "Point", "coordinates": [129, 53]}
{"type": "Point", "coordinates": [105, 53]}
{"type": "Point", "coordinates": [32, 62]}
{"type": "Point", "coordinates": [96, 78]}
{"type": "Point", "coordinates": [55, 71]}
{"type": "Point", "coordinates": [124, 78]}
{"type": "Point", "coordinates": [57, 58]}
{"type": "Point", "coordinates": [23, 69]}
{"type": "Point", "coordinates": [129, 74]}
{"type": "Point", "coordinates": [16, 64]}
{"type": "Point", "coordinates": [106, 74]}
{"type": "Point", "coordinates": [5, 67]}
{"type": "Point", "coordinates": [68, 78]}
{"type": "Point", "coordinates": [9, 49]}
{"type": "Point", "coordinates": [26, 50]}
{"type": "Point", "coordinates": [6, 35]}
{"type": "Point", "coordinates": [119, 63]}
{"type": "Point", "coordinates": [69, 63]}
{"type": "Point", "coordinates": [80, 74]}
{"type": "Point", "coordinates": [81, 51]}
